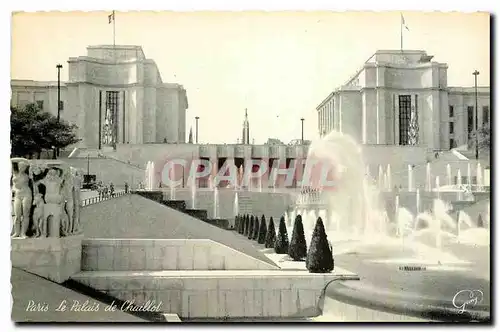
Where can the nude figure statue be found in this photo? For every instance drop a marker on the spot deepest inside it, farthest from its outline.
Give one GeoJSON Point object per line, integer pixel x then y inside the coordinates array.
{"type": "Point", "coordinates": [54, 201]}
{"type": "Point", "coordinates": [22, 200]}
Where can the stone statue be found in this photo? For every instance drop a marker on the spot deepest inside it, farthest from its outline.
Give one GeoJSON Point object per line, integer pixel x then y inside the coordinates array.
{"type": "Point", "coordinates": [53, 201]}
{"type": "Point", "coordinates": [23, 198]}
{"type": "Point", "coordinates": [46, 196]}
{"type": "Point", "coordinates": [77, 186]}
{"type": "Point", "coordinates": [39, 220]}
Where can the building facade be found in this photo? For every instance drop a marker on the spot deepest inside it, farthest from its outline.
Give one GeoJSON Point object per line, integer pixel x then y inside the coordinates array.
{"type": "Point", "coordinates": [402, 98]}
{"type": "Point", "coordinates": [115, 95]}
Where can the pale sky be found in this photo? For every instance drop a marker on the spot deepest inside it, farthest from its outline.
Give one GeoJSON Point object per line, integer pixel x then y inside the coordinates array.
{"type": "Point", "coordinates": [273, 63]}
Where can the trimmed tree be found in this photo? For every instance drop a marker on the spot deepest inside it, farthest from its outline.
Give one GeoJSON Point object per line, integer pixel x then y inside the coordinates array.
{"type": "Point", "coordinates": [262, 230]}
{"type": "Point", "coordinates": [236, 224]}
{"type": "Point", "coordinates": [255, 229]}
{"type": "Point", "coordinates": [281, 244]}
{"type": "Point", "coordinates": [250, 229]}
{"type": "Point", "coordinates": [480, 222]}
{"type": "Point", "coordinates": [298, 247]}
{"type": "Point", "coordinates": [319, 258]}
{"type": "Point", "coordinates": [270, 234]}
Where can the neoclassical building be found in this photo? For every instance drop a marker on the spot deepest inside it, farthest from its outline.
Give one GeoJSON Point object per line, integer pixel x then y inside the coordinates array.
{"type": "Point", "coordinates": [402, 98]}
{"type": "Point", "coordinates": [115, 95]}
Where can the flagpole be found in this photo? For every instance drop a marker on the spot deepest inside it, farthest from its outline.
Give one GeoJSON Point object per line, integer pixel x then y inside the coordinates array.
{"type": "Point", "coordinates": [401, 27]}
{"type": "Point", "coordinates": [114, 29]}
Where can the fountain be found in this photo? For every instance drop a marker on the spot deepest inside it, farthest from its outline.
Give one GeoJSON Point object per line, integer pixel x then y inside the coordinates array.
{"type": "Point", "coordinates": [172, 184]}
{"type": "Point", "coordinates": [410, 178]}
{"type": "Point", "coordinates": [193, 192]}
{"type": "Point", "coordinates": [389, 180]}
{"type": "Point", "coordinates": [459, 185]}
{"type": "Point", "coordinates": [448, 175]}
{"type": "Point", "coordinates": [236, 205]}
{"type": "Point", "coordinates": [417, 203]}
{"type": "Point", "coordinates": [380, 177]}
{"type": "Point", "coordinates": [438, 189]}
{"type": "Point", "coordinates": [479, 177]}
{"type": "Point", "coordinates": [216, 202]}
{"type": "Point", "coordinates": [428, 185]}
{"type": "Point", "coordinates": [469, 176]}
{"type": "Point", "coordinates": [149, 176]}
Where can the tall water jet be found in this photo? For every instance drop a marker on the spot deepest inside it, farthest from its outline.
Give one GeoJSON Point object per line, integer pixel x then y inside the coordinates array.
{"type": "Point", "coordinates": [410, 178]}
{"type": "Point", "coordinates": [149, 181]}
{"type": "Point", "coordinates": [417, 201]}
{"type": "Point", "coordinates": [260, 183]}
{"type": "Point", "coordinates": [438, 189]}
{"type": "Point", "coordinates": [236, 205]}
{"type": "Point", "coordinates": [459, 185]}
{"type": "Point", "coordinates": [448, 174]}
{"type": "Point", "coordinates": [343, 156]}
{"type": "Point", "coordinates": [380, 177]}
{"type": "Point", "coordinates": [389, 179]}
{"type": "Point", "coordinates": [193, 192]}
{"type": "Point", "coordinates": [367, 172]}
{"type": "Point", "coordinates": [479, 177]}
{"type": "Point", "coordinates": [216, 202]}
{"type": "Point", "coordinates": [463, 218]}
{"type": "Point", "coordinates": [172, 186]}
{"type": "Point", "coordinates": [428, 184]}
{"type": "Point", "coordinates": [396, 207]}
{"type": "Point", "coordinates": [469, 176]}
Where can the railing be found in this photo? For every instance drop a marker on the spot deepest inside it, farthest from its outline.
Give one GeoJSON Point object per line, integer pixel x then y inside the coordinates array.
{"type": "Point", "coordinates": [103, 197]}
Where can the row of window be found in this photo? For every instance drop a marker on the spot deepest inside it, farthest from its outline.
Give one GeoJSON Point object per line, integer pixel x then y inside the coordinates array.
{"type": "Point", "coordinates": [470, 116]}
{"type": "Point", "coordinates": [39, 104]}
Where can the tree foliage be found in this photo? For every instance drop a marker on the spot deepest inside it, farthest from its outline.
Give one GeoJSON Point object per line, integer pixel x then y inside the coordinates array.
{"type": "Point", "coordinates": [298, 248]}
{"type": "Point", "coordinates": [33, 131]}
{"type": "Point", "coordinates": [483, 135]}
{"type": "Point", "coordinates": [319, 258]}
{"type": "Point", "coordinates": [250, 229]}
{"type": "Point", "coordinates": [270, 234]}
{"type": "Point", "coordinates": [255, 228]}
{"type": "Point", "coordinates": [281, 245]}
{"type": "Point", "coordinates": [262, 230]}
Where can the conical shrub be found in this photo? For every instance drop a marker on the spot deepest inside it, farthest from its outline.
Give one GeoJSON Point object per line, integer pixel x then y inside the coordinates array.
{"type": "Point", "coordinates": [262, 230]}
{"type": "Point", "coordinates": [281, 244]}
{"type": "Point", "coordinates": [247, 225]}
{"type": "Point", "coordinates": [298, 247]}
{"type": "Point", "coordinates": [319, 258]}
{"type": "Point", "coordinates": [480, 222]}
{"type": "Point", "coordinates": [270, 234]}
{"type": "Point", "coordinates": [250, 230]}
{"type": "Point", "coordinates": [241, 227]}
{"type": "Point", "coordinates": [255, 228]}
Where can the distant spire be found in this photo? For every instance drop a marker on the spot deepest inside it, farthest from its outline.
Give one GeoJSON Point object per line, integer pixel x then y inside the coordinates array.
{"type": "Point", "coordinates": [190, 135]}
{"type": "Point", "coordinates": [246, 130]}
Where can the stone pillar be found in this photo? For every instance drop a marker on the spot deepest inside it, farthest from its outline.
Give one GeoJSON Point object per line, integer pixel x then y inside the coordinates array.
{"type": "Point", "coordinates": [215, 169]}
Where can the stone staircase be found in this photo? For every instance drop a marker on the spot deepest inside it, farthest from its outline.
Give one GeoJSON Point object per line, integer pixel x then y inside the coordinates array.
{"type": "Point", "coordinates": [180, 205]}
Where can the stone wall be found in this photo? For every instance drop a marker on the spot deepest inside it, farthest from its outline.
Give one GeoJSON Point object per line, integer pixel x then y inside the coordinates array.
{"type": "Point", "coordinates": [164, 254]}
{"type": "Point", "coordinates": [56, 259]}
{"type": "Point", "coordinates": [217, 294]}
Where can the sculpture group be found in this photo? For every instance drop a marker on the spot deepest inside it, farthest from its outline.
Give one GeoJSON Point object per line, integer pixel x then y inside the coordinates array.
{"type": "Point", "coordinates": [46, 198]}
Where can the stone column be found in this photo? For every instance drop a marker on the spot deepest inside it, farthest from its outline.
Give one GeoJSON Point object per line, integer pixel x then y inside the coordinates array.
{"type": "Point", "coordinates": [215, 169]}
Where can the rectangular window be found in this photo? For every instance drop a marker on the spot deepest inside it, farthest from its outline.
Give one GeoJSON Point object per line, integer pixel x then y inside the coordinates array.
{"type": "Point", "coordinates": [61, 105]}
{"type": "Point", "coordinates": [470, 119]}
{"type": "Point", "coordinates": [404, 119]}
{"type": "Point", "coordinates": [451, 112]}
{"type": "Point", "coordinates": [486, 115]}
{"type": "Point", "coordinates": [452, 143]}
{"type": "Point", "coordinates": [39, 104]}
{"type": "Point", "coordinates": [452, 127]}
{"type": "Point", "coordinates": [111, 118]}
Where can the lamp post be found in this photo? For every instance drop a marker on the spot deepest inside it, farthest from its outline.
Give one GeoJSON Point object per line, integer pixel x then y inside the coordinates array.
{"type": "Point", "coordinates": [475, 73]}
{"type": "Point", "coordinates": [302, 137]}
{"type": "Point", "coordinates": [88, 164]}
{"type": "Point", "coordinates": [197, 118]}
{"type": "Point", "coordinates": [59, 66]}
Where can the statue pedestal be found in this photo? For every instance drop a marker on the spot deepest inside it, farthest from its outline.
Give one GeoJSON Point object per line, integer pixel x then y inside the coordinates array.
{"type": "Point", "coordinates": [56, 259]}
